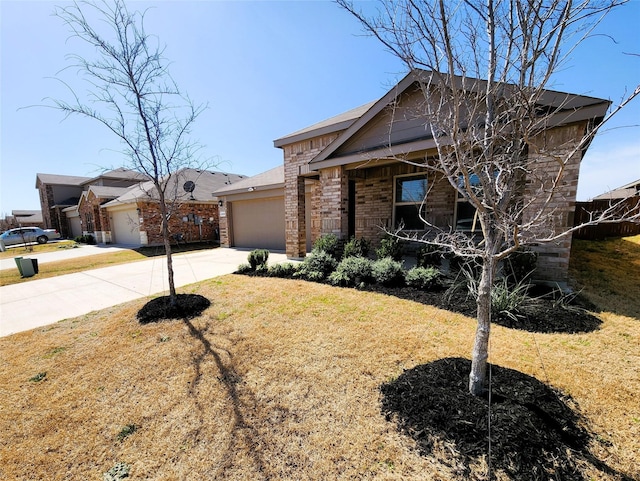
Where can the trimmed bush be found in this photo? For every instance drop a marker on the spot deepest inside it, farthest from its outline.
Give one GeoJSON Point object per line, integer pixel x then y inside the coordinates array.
{"type": "Point", "coordinates": [86, 239]}
{"type": "Point", "coordinates": [352, 271]}
{"type": "Point", "coordinates": [258, 258]}
{"type": "Point", "coordinates": [426, 278]}
{"type": "Point", "coordinates": [284, 269]}
{"type": "Point", "coordinates": [390, 247]}
{"type": "Point", "coordinates": [316, 266]}
{"type": "Point", "coordinates": [356, 248]}
{"type": "Point", "coordinates": [244, 269]}
{"type": "Point", "coordinates": [388, 272]}
{"type": "Point", "coordinates": [328, 243]}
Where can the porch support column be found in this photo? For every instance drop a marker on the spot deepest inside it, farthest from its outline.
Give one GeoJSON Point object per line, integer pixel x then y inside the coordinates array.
{"type": "Point", "coordinates": [295, 225]}
{"type": "Point", "coordinates": [334, 187]}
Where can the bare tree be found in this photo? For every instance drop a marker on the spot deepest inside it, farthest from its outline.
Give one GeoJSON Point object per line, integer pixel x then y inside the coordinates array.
{"type": "Point", "coordinates": [132, 94]}
{"type": "Point", "coordinates": [483, 67]}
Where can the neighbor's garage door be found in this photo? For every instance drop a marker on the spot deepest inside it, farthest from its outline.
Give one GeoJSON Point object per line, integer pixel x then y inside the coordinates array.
{"type": "Point", "coordinates": [125, 228]}
{"type": "Point", "coordinates": [259, 223]}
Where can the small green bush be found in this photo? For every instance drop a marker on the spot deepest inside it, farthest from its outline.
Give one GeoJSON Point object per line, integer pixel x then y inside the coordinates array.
{"type": "Point", "coordinates": [86, 239]}
{"type": "Point", "coordinates": [390, 247]}
{"type": "Point", "coordinates": [244, 269]}
{"type": "Point", "coordinates": [284, 269]}
{"type": "Point", "coordinates": [388, 272]}
{"type": "Point", "coordinates": [356, 248]}
{"type": "Point", "coordinates": [316, 266]}
{"type": "Point", "coordinates": [426, 278]}
{"type": "Point", "coordinates": [352, 271]}
{"type": "Point", "coordinates": [329, 244]}
{"type": "Point", "coordinates": [258, 258]}
{"type": "Point", "coordinates": [428, 255]}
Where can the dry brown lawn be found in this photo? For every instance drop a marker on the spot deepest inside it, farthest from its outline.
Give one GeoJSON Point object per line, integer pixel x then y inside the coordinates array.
{"type": "Point", "coordinates": [279, 380]}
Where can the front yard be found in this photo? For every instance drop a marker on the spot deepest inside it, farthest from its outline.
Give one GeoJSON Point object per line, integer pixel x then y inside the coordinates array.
{"type": "Point", "coordinates": [287, 379]}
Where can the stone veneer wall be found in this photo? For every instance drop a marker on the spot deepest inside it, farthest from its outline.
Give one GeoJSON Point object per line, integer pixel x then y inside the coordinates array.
{"type": "Point", "coordinates": [548, 151]}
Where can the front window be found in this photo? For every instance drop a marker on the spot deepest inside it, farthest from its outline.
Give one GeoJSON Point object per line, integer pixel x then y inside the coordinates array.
{"type": "Point", "coordinates": [409, 201]}
{"type": "Point", "coordinates": [466, 214]}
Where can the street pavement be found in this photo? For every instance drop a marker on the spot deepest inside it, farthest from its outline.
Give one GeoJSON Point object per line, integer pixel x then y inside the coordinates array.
{"type": "Point", "coordinates": [40, 302]}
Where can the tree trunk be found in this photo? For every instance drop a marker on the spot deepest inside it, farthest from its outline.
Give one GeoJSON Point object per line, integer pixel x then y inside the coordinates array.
{"type": "Point", "coordinates": [480, 353]}
{"type": "Point", "coordinates": [164, 222]}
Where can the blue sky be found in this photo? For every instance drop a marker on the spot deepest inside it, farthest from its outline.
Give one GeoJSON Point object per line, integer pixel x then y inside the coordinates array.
{"type": "Point", "coordinates": [265, 69]}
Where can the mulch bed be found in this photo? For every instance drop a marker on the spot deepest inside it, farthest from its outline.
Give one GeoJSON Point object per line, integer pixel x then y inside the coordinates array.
{"type": "Point", "coordinates": [186, 306]}
{"type": "Point", "coordinates": [536, 433]}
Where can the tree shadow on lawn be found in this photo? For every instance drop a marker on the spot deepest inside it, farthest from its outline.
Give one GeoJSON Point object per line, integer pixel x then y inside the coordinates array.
{"type": "Point", "coordinates": [536, 432]}
{"type": "Point", "coordinates": [187, 307]}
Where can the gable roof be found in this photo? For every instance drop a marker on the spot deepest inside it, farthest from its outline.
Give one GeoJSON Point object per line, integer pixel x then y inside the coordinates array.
{"type": "Point", "coordinates": [57, 179]}
{"type": "Point", "coordinates": [333, 124]}
{"type": "Point", "coordinates": [118, 174]}
{"type": "Point", "coordinates": [271, 179]}
{"type": "Point", "coordinates": [206, 183]}
{"type": "Point", "coordinates": [566, 108]}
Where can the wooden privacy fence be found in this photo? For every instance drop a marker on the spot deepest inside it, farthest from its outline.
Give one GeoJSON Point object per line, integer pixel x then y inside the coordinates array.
{"type": "Point", "coordinates": [586, 210]}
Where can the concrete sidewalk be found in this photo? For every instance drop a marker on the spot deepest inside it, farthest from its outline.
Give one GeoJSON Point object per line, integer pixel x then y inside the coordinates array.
{"type": "Point", "coordinates": [41, 302]}
{"type": "Point", "coordinates": [60, 255]}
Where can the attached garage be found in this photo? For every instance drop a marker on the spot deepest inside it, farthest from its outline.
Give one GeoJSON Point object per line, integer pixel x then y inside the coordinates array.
{"type": "Point", "coordinates": [125, 227]}
{"type": "Point", "coordinates": [258, 223]}
{"type": "Point", "coordinates": [252, 212]}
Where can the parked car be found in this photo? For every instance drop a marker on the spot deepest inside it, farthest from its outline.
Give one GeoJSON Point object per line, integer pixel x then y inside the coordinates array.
{"type": "Point", "coordinates": [22, 235]}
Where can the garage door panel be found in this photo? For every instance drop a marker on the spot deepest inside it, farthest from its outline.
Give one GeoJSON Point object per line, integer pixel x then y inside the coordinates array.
{"type": "Point", "coordinates": [259, 223]}
{"type": "Point", "coordinates": [125, 228]}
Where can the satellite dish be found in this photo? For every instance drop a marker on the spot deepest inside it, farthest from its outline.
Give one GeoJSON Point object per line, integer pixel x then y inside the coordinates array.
{"type": "Point", "coordinates": [189, 185]}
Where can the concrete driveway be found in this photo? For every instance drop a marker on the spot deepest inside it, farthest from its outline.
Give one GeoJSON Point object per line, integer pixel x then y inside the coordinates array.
{"type": "Point", "coordinates": [44, 301]}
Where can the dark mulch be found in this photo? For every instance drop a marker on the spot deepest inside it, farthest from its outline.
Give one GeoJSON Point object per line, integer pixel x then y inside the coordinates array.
{"type": "Point", "coordinates": [546, 315]}
{"type": "Point", "coordinates": [536, 432]}
{"type": "Point", "coordinates": [160, 308]}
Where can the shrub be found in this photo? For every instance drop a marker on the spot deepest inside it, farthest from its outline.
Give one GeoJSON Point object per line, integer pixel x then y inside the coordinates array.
{"type": "Point", "coordinates": [244, 269]}
{"type": "Point", "coordinates": [316, 266]}
{"type": "Point", "coordinates": [510, 300]}
{"type": "Point", "coordinates": [284, 269]}
{"type": "Point", "coordinates": [427, 278]}
{"type": "Point", "coordinates": [352, 271]}
{"type": "Point", "coordinates": [329, 244]}
{"type": "Point", "coordinates": [390, 247]}
{"type": "Point", "coordinates": [428, 255]}
{"type": "Point", "coordinates": [258, 258]}
{"type": "Point", "coordinates": [86, 239]}
{"type": "Point", "coordinates": [356, 248]}
{"type": "Point", "coordinates": [388, 272]}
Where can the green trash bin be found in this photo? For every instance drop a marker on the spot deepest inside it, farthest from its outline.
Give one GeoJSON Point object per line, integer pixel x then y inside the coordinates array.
{"type": "Point", "coordinates": [27, 267]}
{"type": "Point", "coordinates": [18, 259]}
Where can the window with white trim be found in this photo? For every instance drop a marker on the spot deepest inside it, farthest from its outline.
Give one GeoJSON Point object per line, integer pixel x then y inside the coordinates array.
{"type": "Point", "coordinates": [409, 201]}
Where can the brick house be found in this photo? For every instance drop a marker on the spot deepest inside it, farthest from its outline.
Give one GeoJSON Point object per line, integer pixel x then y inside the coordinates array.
{"type": "Point", "coordinates": [133, 217]}
{"type": "Point", "coordinates": [341, 175]}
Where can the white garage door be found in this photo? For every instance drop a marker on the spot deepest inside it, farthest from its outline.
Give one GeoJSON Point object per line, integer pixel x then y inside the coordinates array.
{"type": "Point", "coordinates": [259, 224]}
{"type": "Point", "coordinates": [125, 228]}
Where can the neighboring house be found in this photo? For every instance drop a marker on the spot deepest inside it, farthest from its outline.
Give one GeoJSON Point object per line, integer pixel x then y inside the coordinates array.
{"type": "Point", "coordinates": [628, 190]}
{"type": "Point", "coordinates": [60, 194]}
{"type": "Point", "coordinates": [133, 217]}
{"type": "Point", "coordinates": [57, 192]}
{"type": "Point", "coordinates": [341, 177]}
{"type": "Point", "coordinates": [626, 200]}
{"type": "Point", "coordinates": [27, 218]}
